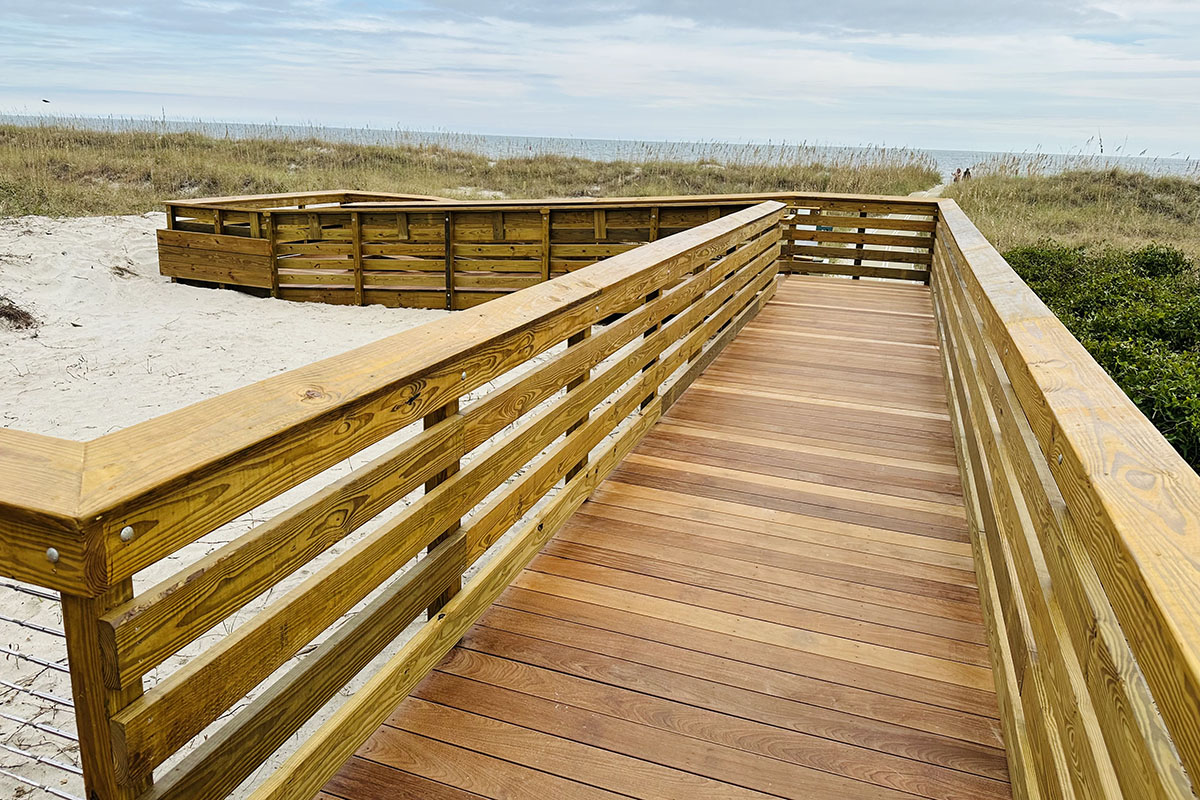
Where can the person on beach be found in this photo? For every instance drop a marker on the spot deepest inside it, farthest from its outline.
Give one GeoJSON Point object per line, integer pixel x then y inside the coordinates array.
{"type": "Point", "coordinates": [967, 174]}
{"type": "Point", "coordinates": [958, 175]}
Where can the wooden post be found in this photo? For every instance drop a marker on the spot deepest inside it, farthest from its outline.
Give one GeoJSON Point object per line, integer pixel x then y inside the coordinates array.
{"type": "Point", "coordinates": [314, 226]}
{"type": "Point", "coordinates": [859, 246]}
{"type": "Point", "coordinates": [600, 224]}
{"type": "Point", "coordinates": [356, 235]}
{"type": "Point", "coordinates": [572, 341]}
{"type": "Point", "coordinates": [446, 411]}
{"type": "Point", "coordinates": [497, 226]}
{"type": "Point", "coordinates": [545, 244]}
{"type": "Point", "coordinates": [448, 236]}
{"type": "Point", "coordinates": [933, 236]}
{"type": "Point", "coordinates": [654, 224]}
{"type": "Point", "coordinates": [649, 332]}
{"type": "Point", "coordinates": [787, 226]}
{"type": "Point", "coordinates": [402, 226]}
{"type": "Point", "coordinates": [218, 221]}
{"type": "Point", "coordinates": [95, 703]}
{"type": "Point", "coordinates": [269, 221]}
{"type": "Point", "coordinates": [170, 217]}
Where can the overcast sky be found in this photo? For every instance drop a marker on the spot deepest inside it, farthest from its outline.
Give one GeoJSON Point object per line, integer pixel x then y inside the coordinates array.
{"type": "Point", "coordinates": [954, 74]}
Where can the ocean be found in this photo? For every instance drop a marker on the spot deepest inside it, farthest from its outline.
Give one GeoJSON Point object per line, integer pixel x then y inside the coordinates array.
{"type": "Point", "coordinates": [493, 146]}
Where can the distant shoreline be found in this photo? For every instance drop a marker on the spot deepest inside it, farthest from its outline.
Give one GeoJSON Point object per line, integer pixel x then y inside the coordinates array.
{"type": "Point", "coordinates": [497, 146]}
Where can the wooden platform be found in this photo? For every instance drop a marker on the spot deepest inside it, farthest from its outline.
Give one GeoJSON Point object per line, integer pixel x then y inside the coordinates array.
{"type": "Point", "coordinates": [772, 596]}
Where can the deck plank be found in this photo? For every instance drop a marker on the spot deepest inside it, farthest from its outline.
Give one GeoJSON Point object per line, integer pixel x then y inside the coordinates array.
{"type": "Point", "coordinates": [772, 596]}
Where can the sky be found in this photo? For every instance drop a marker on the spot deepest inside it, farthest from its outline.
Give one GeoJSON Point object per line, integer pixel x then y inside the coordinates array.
{"type": "Point", "coordinates": [1012, 75]}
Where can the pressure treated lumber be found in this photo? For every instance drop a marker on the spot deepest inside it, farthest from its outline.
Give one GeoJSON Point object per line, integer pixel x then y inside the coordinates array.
{"type": "Point", "coordinates": [458, 254]}
{"type": "Point", "coordinates": [1075, 493]}
{"type": "Point", "coordinates": [673, 634]}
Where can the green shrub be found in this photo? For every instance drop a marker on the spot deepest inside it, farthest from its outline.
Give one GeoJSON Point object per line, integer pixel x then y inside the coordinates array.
{"type": "Point", "coordinates": [1138, 314]}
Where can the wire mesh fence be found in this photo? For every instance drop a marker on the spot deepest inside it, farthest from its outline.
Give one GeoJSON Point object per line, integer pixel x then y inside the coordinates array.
{"type": "Point", "coordinates": [39, 750]}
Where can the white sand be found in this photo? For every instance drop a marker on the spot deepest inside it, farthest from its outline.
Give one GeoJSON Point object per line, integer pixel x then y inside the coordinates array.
{"type": "Point", "coordinates": [118, 344]}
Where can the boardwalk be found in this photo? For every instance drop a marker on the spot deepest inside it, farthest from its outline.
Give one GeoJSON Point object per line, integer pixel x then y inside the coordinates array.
{"type": "Point", "coordinates": [772, 596]}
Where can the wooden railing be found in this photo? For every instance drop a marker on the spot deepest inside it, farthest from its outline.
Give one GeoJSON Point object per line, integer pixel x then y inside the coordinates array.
{"type": "Point", "coordinates": [499, 420]}
{"type": "Point", "coordinates": [1086, 527]}
{"type": "Point", "coordinates": [350, 248]}
{"type": "Point", "coordinates": [1085, 523]}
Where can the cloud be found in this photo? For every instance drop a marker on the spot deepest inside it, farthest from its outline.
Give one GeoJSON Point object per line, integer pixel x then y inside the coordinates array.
{"type": "Point", "coordinates": [947, 74]}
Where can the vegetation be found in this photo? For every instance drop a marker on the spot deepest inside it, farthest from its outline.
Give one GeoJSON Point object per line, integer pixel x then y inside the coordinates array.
{"type": "Point", "coordinates": [14, 317]}
{"type": "Point", "coordinates": [1112, 253]}
{"type": "Point", "coordinates": [72, 171]}
{"type": "Point", "coordinates": [1018, 202]}
{"type": "Point", "coordinates": [1092, 241]}
{"type": "Point", "coordinates": [1138, 314]}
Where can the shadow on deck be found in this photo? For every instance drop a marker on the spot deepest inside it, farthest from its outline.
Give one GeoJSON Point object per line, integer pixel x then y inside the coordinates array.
{"type": "Point", "coordinates": [772, 595]}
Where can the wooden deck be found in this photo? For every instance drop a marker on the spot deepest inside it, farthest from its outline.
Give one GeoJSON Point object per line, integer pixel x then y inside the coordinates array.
{"type": "Point", "coordinates": [773, 595]}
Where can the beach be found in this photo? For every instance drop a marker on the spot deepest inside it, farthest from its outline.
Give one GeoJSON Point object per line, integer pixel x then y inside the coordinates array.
{"type": "Point", "coordinates": [115, 343]}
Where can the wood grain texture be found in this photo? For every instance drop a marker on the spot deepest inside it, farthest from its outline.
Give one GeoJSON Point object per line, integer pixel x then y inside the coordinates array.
{"type": "Point", "coordinates": [39, 493]}
{"type": "Point", "coordinates": [324, 238]}
{"type": "Point", "coordinates": [683, 633]}
{"type": "Point", "coordinates": [689, 309]}
{"type": "Point", "coordinates": [343, 404]}
{"type": "Point", "coordinates": [1061, 459]}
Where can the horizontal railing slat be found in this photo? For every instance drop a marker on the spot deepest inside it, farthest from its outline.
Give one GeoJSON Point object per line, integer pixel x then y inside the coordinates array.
{"type": "Point", "coordinates": [307, 770]}
{"type": "Point", "coordinates": [167, 716]}
{"type": "Point", "coordinates": [141, 634]}
{"type": "Point", "coordinates": [1092, 523]}
{"type": "Point", "coordinates": [240, 747]}
{"type": "Point", "coordinates": [235, 462]}
{"type": "Point", "coordinates": [1130, 724]}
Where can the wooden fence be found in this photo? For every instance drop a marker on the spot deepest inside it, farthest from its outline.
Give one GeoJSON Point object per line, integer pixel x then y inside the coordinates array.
{"type": "Point", "coordinates": [1086, 527]}
{"type": "Point", "coordinates": [351, 248]}
{"type": "Point", "coordinates": [506, 416]}
{"type": "Point", "coordinates": [1085, 522]}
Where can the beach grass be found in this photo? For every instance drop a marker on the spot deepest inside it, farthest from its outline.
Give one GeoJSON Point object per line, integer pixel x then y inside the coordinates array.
{"type": "Point", "coordinates": [1019, 201]}
{"type": "Point", "coordinates": [67, 170]}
